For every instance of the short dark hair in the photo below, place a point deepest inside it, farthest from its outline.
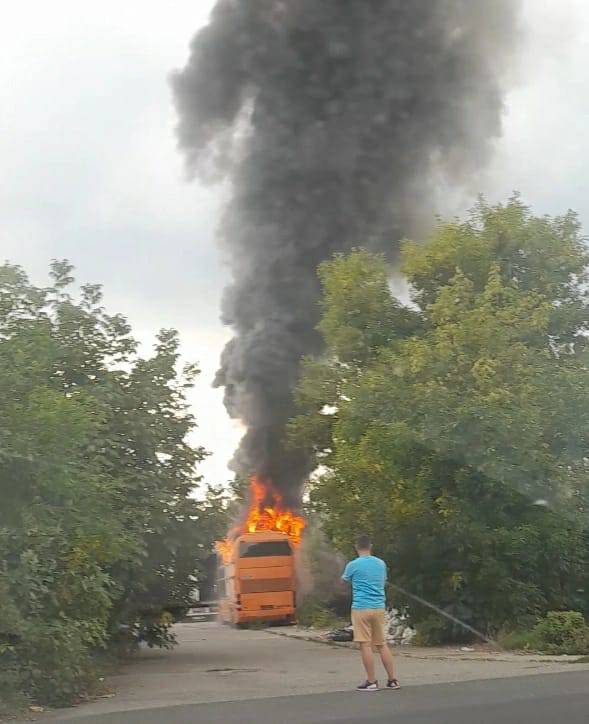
(363, 543)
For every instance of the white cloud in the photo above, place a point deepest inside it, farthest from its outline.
(544, 152)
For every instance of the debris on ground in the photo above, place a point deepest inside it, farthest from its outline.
(397, 630)
(340, 634)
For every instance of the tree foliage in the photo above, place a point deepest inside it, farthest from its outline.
(455, 427)
(100, 539)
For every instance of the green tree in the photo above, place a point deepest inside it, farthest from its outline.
(455, 428)
(98, 527)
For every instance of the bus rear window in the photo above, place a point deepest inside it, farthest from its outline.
(266, 548)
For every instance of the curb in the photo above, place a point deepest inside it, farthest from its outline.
(433, 657)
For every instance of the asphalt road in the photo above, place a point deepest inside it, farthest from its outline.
(217, 664)
(539, 699)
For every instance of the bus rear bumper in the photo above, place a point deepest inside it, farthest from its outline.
(274, 614)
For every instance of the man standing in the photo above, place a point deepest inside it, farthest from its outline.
(368, 575)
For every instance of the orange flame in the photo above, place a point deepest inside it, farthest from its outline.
(266, 512)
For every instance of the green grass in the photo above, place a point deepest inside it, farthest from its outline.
(315, 614)
(559, 632)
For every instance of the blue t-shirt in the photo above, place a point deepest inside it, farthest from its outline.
(368, 575)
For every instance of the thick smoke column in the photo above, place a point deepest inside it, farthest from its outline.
(335, 120)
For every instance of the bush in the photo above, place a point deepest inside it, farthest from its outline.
(315, 614)
(11, 697)
(438, 631)
(56, 664)
(100, 535)
(432, 631)
(559, 632)
(563, 632)
(519, 641)
(435, 630)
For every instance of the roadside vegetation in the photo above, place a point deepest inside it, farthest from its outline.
(101, 542)
(315, 613)
(559, 632)
(454, 424)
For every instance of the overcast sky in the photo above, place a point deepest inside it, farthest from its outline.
(90, 171)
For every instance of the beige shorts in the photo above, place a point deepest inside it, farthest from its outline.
(369, 626)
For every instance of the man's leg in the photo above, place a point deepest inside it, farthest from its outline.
(368, 661)
(387, 660)
(363, 636)
(380, 642)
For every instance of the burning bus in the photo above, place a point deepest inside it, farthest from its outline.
(256, 578)
(256, 582)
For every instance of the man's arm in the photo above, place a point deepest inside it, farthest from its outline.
(347, 574)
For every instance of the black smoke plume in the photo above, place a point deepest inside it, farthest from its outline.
(335, 121)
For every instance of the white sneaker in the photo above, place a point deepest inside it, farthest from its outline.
(368, 686)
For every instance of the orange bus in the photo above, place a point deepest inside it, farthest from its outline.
(257, 581)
